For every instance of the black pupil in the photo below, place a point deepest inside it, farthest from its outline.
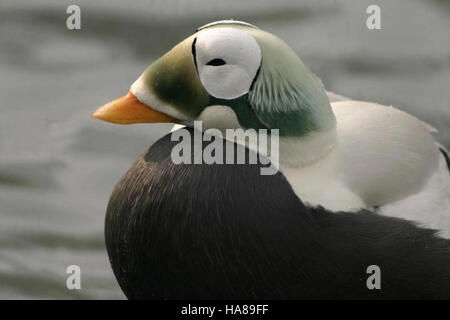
(216, 62)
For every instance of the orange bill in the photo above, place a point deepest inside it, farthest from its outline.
(128, 109)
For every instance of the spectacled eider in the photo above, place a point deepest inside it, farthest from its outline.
(310, 231)
(349, 155)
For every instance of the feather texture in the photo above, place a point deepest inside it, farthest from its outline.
(226, 232)
(383, 158)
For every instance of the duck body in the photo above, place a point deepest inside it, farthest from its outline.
(226, 232)
(347, 155)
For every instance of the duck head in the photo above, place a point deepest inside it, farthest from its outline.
(228, 74)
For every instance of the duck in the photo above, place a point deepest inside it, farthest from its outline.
(345, 156)
(220, 231)
(343, 161)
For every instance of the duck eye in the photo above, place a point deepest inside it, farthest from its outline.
(216, 62)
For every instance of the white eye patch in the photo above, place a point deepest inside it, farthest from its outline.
(227, 61)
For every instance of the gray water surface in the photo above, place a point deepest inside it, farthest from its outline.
(58, 167)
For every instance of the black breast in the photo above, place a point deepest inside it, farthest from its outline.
(227, 232)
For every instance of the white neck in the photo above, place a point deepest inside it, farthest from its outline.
(304, 151)
(294, 151)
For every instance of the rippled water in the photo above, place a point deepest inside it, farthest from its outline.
(58, 167)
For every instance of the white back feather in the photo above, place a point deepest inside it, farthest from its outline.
(386, 154)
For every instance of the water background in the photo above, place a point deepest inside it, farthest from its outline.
(58, 167)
